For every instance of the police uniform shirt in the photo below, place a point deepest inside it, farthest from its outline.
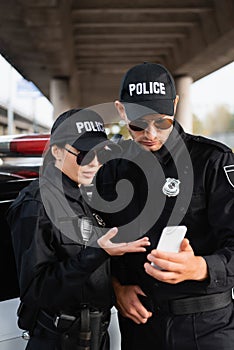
(55, 271)
(198, 195)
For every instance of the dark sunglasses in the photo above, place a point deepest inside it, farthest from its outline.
(86, 157)
(141, 124)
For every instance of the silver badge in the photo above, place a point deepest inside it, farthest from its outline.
(99, 220)
(229, 171)
(171, 187)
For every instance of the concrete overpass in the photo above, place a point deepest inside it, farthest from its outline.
(22, 122)
(76, 51)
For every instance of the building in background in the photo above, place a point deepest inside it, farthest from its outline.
(23, 108)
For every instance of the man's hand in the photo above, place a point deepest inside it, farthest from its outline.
(121, 248)
(129, 304)
(177, 267)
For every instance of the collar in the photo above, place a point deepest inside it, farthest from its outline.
(62, 182)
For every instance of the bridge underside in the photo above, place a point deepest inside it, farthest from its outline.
(88, 45)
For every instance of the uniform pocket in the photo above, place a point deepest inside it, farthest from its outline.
(69, 231)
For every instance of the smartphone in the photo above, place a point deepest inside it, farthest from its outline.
(171, 239)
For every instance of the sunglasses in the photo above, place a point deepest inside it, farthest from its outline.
(141, 124)
(86, 157)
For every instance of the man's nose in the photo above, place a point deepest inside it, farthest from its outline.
(151, 131)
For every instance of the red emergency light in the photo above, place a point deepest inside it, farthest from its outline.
(30, 144)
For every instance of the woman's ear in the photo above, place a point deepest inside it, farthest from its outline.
(57, 152)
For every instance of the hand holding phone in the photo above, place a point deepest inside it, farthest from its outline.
(171, 239)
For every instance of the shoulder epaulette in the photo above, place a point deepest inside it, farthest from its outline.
(31, 192)
(221, 146)
(33, 189)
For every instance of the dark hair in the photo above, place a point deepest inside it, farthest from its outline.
(48, 157)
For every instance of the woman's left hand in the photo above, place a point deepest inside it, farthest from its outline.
(121, 248)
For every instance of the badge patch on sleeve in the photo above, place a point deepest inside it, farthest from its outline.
(229, 171)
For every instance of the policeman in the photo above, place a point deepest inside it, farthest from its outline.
(177, 179)
(61, 253)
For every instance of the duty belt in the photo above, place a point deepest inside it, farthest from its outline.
(195, 304)
(60, 323)
(54, 324)
(83, 332)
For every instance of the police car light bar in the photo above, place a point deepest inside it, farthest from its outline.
(25, 145)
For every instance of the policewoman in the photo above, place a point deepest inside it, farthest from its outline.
(62, 252)
(178, 179)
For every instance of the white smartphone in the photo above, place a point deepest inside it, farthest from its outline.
(171, 239)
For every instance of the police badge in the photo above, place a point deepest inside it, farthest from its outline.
(171, 187)
(99, 220)
(229, 171)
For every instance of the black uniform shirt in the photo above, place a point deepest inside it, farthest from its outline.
(201, 171)
(55, 271)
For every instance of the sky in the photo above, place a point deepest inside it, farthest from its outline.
(214, 89)
(208, 92)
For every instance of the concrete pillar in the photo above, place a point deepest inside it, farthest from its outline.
(184, 111)
(74, 85)
(60, 95)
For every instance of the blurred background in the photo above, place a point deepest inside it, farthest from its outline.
(58, 54)
(212, 105)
